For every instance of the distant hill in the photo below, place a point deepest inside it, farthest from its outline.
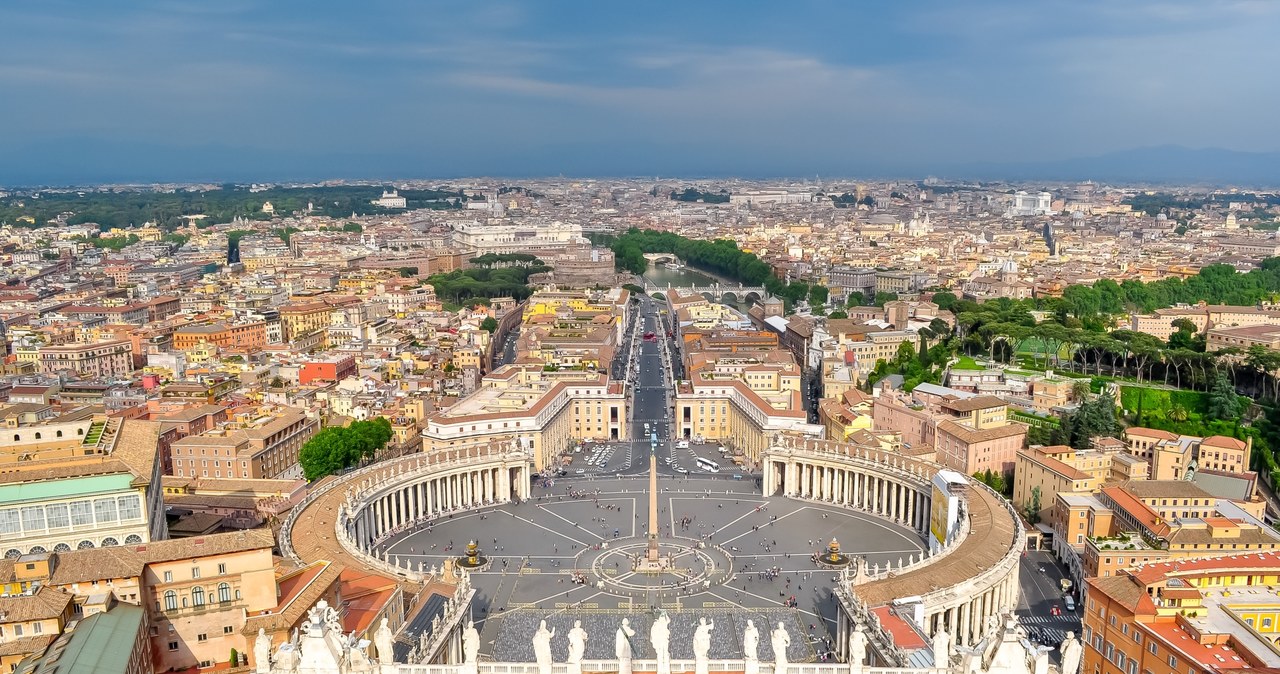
(1161, 164)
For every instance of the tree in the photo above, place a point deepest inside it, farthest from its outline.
(489, 324)
(1080, 390)
(336, 448)
(818, 295)
(1176, 413)
(277, 382)
(1032, 509)
(856, 299)
(945, 300)
(408, 272)
(838, 315)
(1223, 402)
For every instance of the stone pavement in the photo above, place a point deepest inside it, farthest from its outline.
(544, 545)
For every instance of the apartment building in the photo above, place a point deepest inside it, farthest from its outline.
(1203, 615)
(264, 446)
(97, 360)
(968, 433)
(546, 411)
(197, 592)
(250, 336)
(1173, 457)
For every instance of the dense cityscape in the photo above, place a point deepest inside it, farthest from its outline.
(639, 338)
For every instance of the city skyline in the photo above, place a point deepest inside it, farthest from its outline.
(250, 91)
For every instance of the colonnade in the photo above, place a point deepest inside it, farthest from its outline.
(884, 494)
(900, 490)
(414, 498)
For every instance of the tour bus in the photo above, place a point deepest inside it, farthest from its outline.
(708, 465)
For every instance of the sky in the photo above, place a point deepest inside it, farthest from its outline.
(241, 89)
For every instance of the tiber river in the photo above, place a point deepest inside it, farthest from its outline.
(661, 276)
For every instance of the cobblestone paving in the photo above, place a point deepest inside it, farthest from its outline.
(542, 544)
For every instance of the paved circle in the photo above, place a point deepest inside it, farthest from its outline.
(552, 554)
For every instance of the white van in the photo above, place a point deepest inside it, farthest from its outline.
(1070, 603)
(682, 444)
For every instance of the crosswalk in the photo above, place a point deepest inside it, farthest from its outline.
(1049, 630)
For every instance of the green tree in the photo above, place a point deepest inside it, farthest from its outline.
(408, 272)
(856, 299)
(838, 315)
(1176, 413)
(945, 300)
(489, 324)
(1223, 402)
(1032, 509)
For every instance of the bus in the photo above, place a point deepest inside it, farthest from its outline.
(708, 465)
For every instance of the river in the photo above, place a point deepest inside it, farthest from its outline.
(661, 276)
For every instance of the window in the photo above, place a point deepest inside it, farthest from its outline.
(222, 568)
(173, 646)
(9, 523)
(104, 510)
(227, 629)
(170, 600)
(17, 630)
(1266, 622)
(57, 515)
(81, 514)
(1173, 662)
(202, 637)
(197, 596)
(38, 627)
(224, 593)
(195, 572)
(168, 576)
(130, 507)
(33, 518)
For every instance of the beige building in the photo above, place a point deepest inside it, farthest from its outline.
(111, 497)
(1171, 456)
(197, 592)
(265, 447)
(104, 359)
(546, 411)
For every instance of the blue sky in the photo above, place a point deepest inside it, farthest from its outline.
(237, 88)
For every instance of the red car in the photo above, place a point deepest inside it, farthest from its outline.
(649, 337)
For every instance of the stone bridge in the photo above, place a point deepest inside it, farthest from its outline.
(659, 258)
(715, 293)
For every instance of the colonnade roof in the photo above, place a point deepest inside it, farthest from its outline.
(992, 535)
(312, 534)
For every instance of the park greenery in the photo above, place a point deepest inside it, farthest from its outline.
(479, 284)
(721, 257)
(695, 195)
(124, 208)
(337, 448)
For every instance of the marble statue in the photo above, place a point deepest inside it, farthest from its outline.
(750, 642)
(857, 649)
(622, 646)
(660, 637)
(382, 640)
(780, 640)
(262, 653)
(701, 645)
(941, 649)
(577, 647)
(542, 647)
(1071, 651)
(470, 647)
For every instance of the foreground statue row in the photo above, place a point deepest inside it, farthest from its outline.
(320, 647)
(660, 639)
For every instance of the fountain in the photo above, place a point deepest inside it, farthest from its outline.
(472, 559)
(832, 558)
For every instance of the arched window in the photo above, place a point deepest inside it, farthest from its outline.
(108, 542)
(79, 431)
(62, 547)
(16, 437)
(59, 433)
(37, 435)
(170, 600)
(1266, 622)
(197, 596)
(224, 593)
(13, 553)
(37, 550)
(132, 539)
(84, 545)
